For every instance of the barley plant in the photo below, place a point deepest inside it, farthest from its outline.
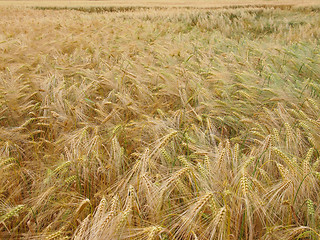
(160, 123)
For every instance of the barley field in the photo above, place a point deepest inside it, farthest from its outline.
(160, 122)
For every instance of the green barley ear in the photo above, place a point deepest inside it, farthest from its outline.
(310, 207)
(70, 180)
(13, 212)
(184, 161)
(203, 171)
(310, 212)
(166, 155)
(61, 167)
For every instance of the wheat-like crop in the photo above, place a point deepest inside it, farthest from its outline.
(180, 121)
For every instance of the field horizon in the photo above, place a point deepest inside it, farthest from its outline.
(157, 3)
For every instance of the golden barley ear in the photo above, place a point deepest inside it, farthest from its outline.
(83, 231)
(306, 168)
(289, 162)
(104, 224)
(244, 183)
(153, 231)
(82, 206)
